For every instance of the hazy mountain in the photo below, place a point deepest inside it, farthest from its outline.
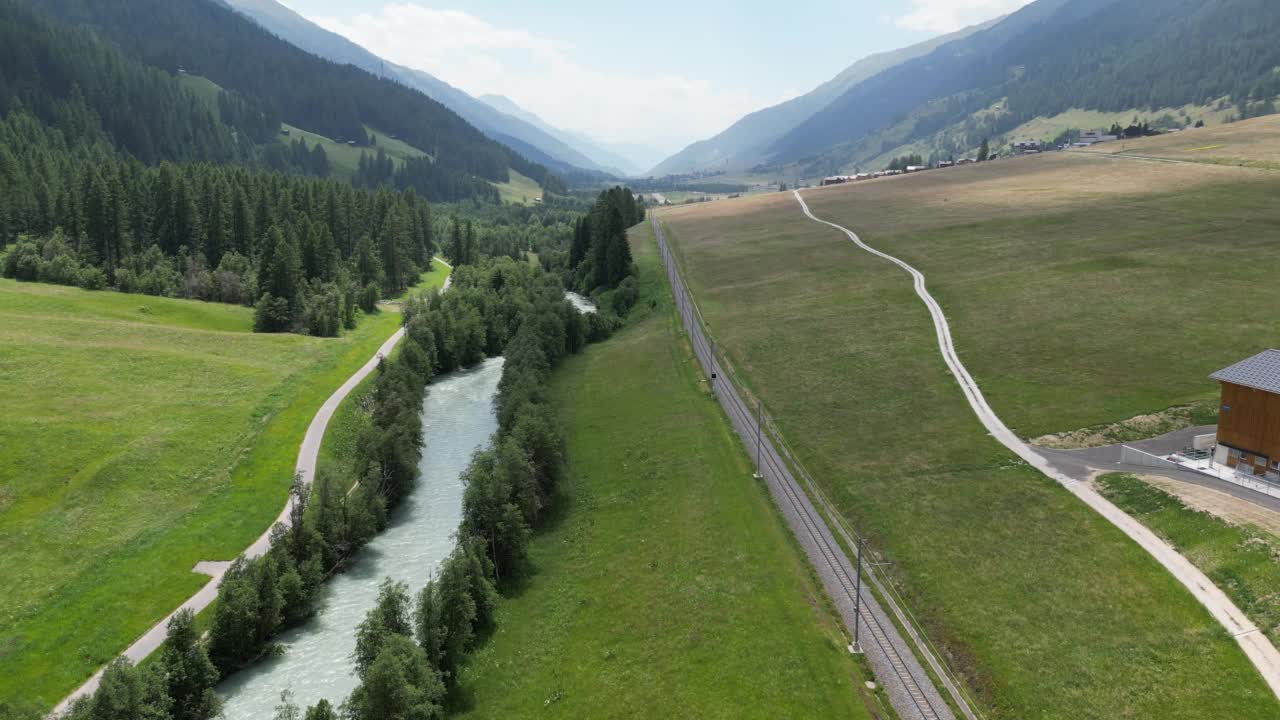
(581, 142)
(747, 141)
(1050, 57)
(522, 136)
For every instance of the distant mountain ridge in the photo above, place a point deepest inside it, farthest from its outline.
(945, 97)
(747, 142)
(1050, 57)
(522, 136)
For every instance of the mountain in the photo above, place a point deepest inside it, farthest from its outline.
(1050, 57)
(581, 142)
(746, 142)
(527, 138)
(341, 102)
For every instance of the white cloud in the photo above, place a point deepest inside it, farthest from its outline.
(943, 16)
(543, 76)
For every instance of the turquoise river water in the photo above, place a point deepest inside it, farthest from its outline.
(458, 419)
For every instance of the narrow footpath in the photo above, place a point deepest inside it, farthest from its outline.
(308, 455)
(1255, 644)
(910, 690)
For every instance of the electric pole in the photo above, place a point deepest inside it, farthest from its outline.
(759, 424)
(857, 602)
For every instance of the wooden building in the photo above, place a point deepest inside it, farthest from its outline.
(1249, 416)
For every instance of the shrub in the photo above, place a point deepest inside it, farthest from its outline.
(91, 278)
(271, 315)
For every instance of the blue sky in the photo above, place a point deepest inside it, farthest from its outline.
(661, 73)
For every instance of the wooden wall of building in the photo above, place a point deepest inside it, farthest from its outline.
(1252, 423)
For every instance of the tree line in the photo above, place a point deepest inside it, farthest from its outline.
(408, 649)
(306, 251)
(599, 254)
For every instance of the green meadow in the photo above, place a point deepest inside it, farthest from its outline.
(1043, 608)
(667, 585)
(154, 433)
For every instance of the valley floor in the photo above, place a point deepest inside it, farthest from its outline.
(1046, 270)
(669, 585)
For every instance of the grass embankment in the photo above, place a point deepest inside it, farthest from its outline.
(153, 433)
(668, 585)
(1243, 561)
(1044, 608)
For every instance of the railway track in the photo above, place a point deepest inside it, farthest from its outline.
(910, 689)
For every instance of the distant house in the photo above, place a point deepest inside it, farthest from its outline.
(966, 161)
(284, 131)
(1094, 137)
(946, 164)
(1249, 416)
(352, 143)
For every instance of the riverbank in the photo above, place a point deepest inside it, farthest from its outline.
(316, 662)
(666, 584)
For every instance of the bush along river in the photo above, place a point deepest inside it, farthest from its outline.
(458, 419)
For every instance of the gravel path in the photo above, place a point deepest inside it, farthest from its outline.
(908, 686)
(1254, 643)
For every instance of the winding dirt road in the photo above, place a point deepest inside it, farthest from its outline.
(305, 467)
(1255, 644)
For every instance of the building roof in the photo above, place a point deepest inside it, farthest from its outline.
(1261, 372)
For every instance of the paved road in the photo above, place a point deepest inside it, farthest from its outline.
(1254, 643)
(308, 455)
(1085, 463)
(910, 691)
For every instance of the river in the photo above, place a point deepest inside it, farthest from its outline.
(458, 419)
(584, 305)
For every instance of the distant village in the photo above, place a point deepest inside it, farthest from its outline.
(1072, 139)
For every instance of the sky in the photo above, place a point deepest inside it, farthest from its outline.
(661, 73)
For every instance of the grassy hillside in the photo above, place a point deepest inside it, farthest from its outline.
(344, 159)
(669, 585)
(154, 433)
(1084, 291)
(519, 190)
(1251, 143)
(1044, 609)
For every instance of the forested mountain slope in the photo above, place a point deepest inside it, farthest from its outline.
(1054, 55)
(745, 142)
(89, 90)
(525, 137)
(338, 101)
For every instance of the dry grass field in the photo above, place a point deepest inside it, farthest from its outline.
(1248, 143)
(1081, 291)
